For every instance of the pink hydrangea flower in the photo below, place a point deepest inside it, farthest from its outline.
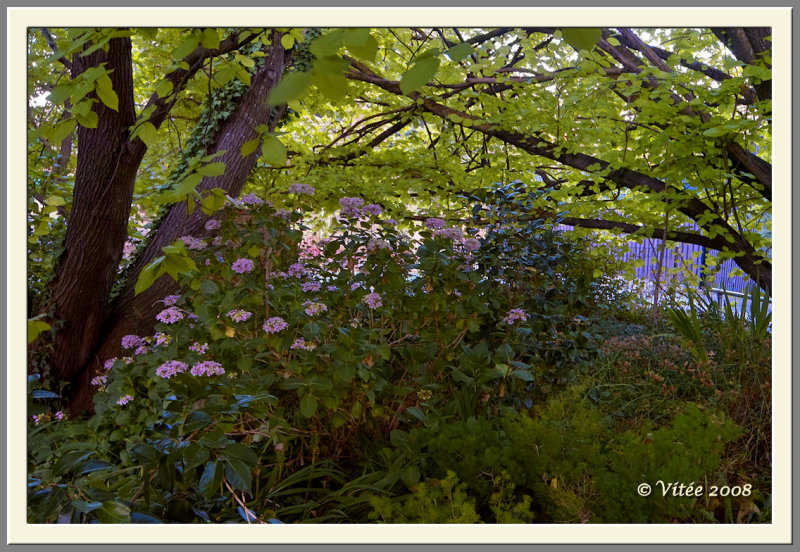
(372, 300)
(59, 416)
(239, 315)
(299, 188)
(212, 224)
(471, 244)
(251, 199)
(99, 381)
(193, 243)
(109, 364)
(313, 309)
(199, 348)
(242, 266)
(162, 338)
(310, 286)
(122, 401)
(372, 209)
(207, 368)
(301, 343)
(434, 223)
(452, 233)
(515, 315)
(171, 368)
(140, 350)
(351, 206)
(275, 324)
(170, 315)
(170, 300)
(297, 269)
(131, 341)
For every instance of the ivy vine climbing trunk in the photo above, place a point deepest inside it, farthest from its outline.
(135, 314)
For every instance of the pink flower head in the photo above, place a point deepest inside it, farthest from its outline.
(193, 243)
(239, 315)
(310, 286)
(241, 266)
(207, 368)
(351, 206)
(162, 338)
(299, 188)
(434, 223)
(140, 350)
(59, 416)
(212, 224)
(122, 401)
(300, 343)
(170, 315)
(471, 244)
(313, 309)
(297, 269)
(372, 209)
(99, 381)
(109, 364)
(170, 300)
(251, 199)
(171, 368)
(275, 324)
(199, 348)
(515, 315)
(372, 300)
(452, 233)
(131, 341)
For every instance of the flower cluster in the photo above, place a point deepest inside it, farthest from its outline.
(374, 244)
(99, 381)
(313, 309)
(162, 338)
(171, 368)
(451, 233)
(193, 243)
(251, 199)
(310, 286)
(207, 368)
(58, 416)
(170, 300)
(282, 213)
(514, 315)
(300, 188)
(109, 364)
(199, 348)
(434, 223)
(351, 206)
(372, 300)
(372, 209)
(131, 341)
(170, 315)
(212, 224)
(274, 325)
(140, 350)
(241, 266)
(122, 401)
(239, 315)
(471, 244)
(297, 269)
(301, 343)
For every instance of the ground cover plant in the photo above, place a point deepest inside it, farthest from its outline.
(404, 334)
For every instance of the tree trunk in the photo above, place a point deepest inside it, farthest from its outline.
(131, 314)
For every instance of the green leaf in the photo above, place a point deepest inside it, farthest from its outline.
(212, 169)
(210, 480)
(61, 93)
(417, 413)
(410, 476)
(332, 85)
(194, 455)
(113, 512)
(69, 460)
(187, 47)
(35, 328)
(460, 51)
(250, 146)
(164, 88)
(147, 133)
(105, 91)
(210, 39)
(63, 129)
(240, 452)
(244, 60)
(715, 132)
(197, 419)
(148, 275)
(287, 41)
(85, 507)
(94, 465)
(308, 406)
(582, 38)
(273, 151)
(292, 87)
(238, 475)
(523, 375)
(423, 69)
(88, 121)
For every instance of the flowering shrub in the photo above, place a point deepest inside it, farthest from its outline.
(279, 362)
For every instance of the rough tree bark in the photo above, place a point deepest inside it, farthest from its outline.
(132, 314)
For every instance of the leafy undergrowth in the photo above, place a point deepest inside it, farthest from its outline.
(376, 376)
